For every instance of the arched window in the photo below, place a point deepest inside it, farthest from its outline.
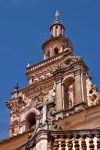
(56, 50)
(30, 120)
(69, 92)
(56, 27)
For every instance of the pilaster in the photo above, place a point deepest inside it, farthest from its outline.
(80, 86)
(42, 141)
(59, 97)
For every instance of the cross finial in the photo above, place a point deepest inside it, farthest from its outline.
(16, 86)
(57, 14)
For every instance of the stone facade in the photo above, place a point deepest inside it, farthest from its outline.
(60, 105)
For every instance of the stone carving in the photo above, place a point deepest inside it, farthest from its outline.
(14, 118)
(47, 72)
(72, 59)
(13, 105)
(50, 96)
(93, 95)
(51, 113)
(71, 95)
(42, 77)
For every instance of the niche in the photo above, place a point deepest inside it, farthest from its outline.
(69, 92)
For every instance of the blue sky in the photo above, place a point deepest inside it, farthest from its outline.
(24, 26)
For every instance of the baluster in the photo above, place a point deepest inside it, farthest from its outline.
(91, 143)
(66, 143)
(56, 144)
(98, 141)
(76, 142)
(62, 143)
(83, 143)
(70, 144)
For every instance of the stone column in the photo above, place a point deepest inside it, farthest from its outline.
(54, 31)
(44, 113)
(80, 86)
(59, 98)
(63, 97)
(83, 82)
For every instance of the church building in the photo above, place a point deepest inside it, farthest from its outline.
(59, 109)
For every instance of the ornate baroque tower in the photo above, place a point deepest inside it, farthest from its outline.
(59, 91)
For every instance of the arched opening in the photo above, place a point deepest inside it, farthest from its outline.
(69, 92)
(56, 27)
(30, 120)
(56, 50)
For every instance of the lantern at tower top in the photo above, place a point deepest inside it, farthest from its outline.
(57, 28)
(57, 42)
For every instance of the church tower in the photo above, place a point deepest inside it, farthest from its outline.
(59, 97)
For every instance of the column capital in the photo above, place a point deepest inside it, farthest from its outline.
(78, 71)
(58, 76)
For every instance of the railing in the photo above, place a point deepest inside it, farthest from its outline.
(75, 140)
(68, 140)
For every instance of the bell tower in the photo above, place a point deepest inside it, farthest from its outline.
(57, 86)
(57, 42)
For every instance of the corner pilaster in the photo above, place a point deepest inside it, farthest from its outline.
(80, 86)
(42, 141)
(59, 97)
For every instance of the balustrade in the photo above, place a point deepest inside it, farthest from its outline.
(77, 141)
(69, 140)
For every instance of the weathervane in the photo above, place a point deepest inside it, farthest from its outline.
(57, 14)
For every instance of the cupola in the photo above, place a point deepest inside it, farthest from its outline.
(57, 28)
(57, 42)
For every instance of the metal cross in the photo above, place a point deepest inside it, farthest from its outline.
(57, 14)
